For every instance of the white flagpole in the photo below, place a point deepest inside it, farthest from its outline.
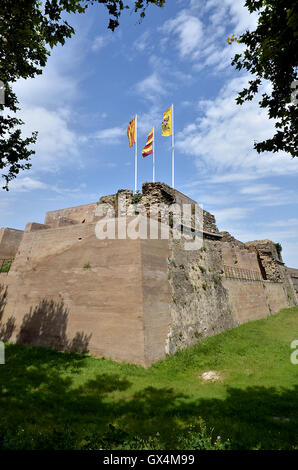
(136, 156)
(153, 155)
(173, 149)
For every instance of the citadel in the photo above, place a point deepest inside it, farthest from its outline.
(68, 285)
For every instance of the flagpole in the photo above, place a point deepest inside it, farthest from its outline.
(173, 149)
(136, 156)
(153, 155)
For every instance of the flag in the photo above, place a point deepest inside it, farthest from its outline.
(166, 126)
(131, 132)
(148, 149)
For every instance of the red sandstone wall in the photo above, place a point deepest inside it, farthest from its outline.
(82, 213)
(118, 304)
(156, 297)
(10, 240)
(239, 257)
(114, 296)
(252, 300)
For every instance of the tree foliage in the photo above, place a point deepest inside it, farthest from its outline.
(272, 54)
(28, 31)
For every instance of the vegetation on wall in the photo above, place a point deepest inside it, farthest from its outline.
(137, 197)
(278, 248)
(5, 267)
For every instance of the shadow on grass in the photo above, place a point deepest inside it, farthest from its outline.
(39, 394)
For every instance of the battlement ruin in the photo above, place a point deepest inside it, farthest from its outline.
(133, 299)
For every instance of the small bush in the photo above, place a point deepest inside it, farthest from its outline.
(6, 267)
(278, 248)
(216, 279)
(136, 198)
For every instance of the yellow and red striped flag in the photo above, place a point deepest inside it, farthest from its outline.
(132, 131)
(148, 149)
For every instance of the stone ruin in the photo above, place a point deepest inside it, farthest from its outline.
(134, 299)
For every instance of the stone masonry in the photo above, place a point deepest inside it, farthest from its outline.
(134, 299)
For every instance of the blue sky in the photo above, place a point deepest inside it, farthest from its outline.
(94, 85)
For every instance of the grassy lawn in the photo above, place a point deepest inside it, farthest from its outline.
(58, 400)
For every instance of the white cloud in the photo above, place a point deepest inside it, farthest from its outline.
(222, 139)
(99, 43)
(57, 144)
(149, 119)
(255, 195)
(277, 198)
(161, 81)
(200, 32)
(236, 12)
(285, 223)
(211, 198)
(5, 209)
(103, 40)
(26, 184)
(151, 87)
(143, 42)
(61, 79)
(50, 89)
(49, 105)
(112, 135)
(258, 189)
(290, 253)
(232, 177)
(230, 213)
(189, 30)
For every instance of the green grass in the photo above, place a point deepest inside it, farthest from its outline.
(60, 400)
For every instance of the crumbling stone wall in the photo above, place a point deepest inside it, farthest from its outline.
(269, 257)
(153, 195)
(273, 266)
(209, 223)
(200, 304)
(161, 193)
(119, 202)
(293, 273)
(228, 238)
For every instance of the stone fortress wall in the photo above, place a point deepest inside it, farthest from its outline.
(134, 300)
(294, 276)
(10, 240)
